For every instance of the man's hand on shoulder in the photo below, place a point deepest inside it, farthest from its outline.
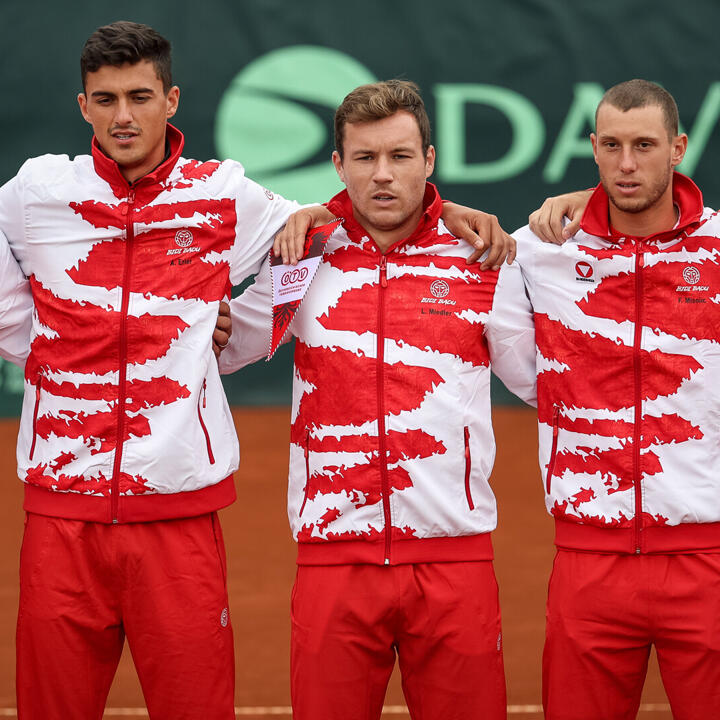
(547, 221)
(482, 231)
(223, 329)
(290, 240)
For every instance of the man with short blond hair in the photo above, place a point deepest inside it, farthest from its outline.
(627, 319)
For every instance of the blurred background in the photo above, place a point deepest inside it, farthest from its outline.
(510, 85)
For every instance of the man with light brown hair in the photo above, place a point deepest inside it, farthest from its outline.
(391, 439)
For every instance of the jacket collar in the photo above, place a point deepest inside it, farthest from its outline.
(341, 207)
(686, 196)
(109, 170)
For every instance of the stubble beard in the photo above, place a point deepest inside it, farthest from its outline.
(632, 205)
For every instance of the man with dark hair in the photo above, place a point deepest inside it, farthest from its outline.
(627, 319)
(127, 445)
(391, 438)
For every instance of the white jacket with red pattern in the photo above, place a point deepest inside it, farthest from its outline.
(124, 416)
(391, 439)
(628, 336)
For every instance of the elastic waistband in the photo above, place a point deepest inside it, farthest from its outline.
(131, 508)
(669, 539)
(402, 552)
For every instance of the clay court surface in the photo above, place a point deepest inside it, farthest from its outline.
(261, 556)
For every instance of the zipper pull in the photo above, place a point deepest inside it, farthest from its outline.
(556, 414)
(307, 445)
(131, 197)
(640, 254)
(204, 391)
(383, 271)
(467, 443)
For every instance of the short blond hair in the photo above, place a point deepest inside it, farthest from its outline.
(639, 93)
(378, 101)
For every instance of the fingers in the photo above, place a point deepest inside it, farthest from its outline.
(223, 329)
(571, 228)
(290, 239)
(546, 222)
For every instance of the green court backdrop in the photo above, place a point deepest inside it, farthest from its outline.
(511, 87)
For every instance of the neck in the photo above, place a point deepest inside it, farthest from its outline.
(386, 238)
(659, 217)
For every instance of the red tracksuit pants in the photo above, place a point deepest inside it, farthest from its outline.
(605, 611)
(85, 586)
(442, 620)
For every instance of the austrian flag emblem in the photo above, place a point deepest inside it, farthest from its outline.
(584, 271)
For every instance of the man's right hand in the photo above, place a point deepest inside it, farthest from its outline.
(547, 222)
(290, 240)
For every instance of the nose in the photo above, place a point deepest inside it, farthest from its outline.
(627, 161)
(383, 171)
(123, 113)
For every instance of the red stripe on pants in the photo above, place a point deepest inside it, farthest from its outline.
(84, 586)
(441, 619)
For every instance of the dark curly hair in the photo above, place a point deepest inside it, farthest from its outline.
(127, 42)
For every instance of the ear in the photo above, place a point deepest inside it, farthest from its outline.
(337, 162)
(679, 146)
(173, 98)
(82, 102)
(429, 161)
(593, 140)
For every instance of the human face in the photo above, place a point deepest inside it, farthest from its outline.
(384, 169)
(635, 156)
(128, 111)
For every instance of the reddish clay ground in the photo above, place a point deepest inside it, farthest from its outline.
(261, 557)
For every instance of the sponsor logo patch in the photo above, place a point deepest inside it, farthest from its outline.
(691, 275)
(440, 289)
(584, 271)
(183, 238)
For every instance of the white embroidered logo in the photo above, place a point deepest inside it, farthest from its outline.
(440, 289)
(224, 616)
(183, 238)
(691, 275)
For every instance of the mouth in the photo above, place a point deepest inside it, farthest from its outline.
(383, 197)
(123, 136)
(627, 187)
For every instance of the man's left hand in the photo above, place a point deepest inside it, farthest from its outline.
(482, 231)
(223, 329)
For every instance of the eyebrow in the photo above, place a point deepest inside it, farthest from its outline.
(134, 91)
(641, 138)
(400, 148)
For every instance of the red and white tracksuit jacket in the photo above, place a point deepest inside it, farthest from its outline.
(124, 416)
(628, 341)
(391, 439)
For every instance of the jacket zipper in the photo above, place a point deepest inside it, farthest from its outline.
(637, 428)
(211, 457)
(468, 465)
(307, 472)
(382, 443)
(553, 450)
(35, 415)
(122, 374)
